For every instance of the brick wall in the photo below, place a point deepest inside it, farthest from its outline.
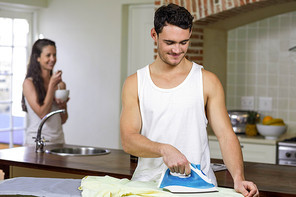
(204, 8)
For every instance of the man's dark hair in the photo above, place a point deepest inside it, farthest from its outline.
(174, 15)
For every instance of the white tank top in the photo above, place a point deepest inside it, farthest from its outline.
(52, 129)
(174, 116)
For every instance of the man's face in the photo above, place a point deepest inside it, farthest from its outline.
(172, 44)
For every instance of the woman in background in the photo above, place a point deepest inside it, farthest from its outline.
(39, 89)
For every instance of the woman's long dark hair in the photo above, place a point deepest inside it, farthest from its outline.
(34, 71)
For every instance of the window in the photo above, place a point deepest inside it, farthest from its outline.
(15, 36)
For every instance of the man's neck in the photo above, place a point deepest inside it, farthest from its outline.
(160, 67)
(169, 76)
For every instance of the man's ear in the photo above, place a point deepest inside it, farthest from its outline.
(153, 34)
(190, 33)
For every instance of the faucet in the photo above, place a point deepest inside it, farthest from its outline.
(40, 142)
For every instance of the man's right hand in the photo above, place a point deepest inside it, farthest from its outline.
(175, 160)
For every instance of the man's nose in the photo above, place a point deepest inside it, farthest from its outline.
(176, 48)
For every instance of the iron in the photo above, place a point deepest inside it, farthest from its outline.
(195, 182)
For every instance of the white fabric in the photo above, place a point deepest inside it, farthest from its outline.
(52, 129)
(174, 116)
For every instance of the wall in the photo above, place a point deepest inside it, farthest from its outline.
(259, 65)
(88, 38)
(25, 3)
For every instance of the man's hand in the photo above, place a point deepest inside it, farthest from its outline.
(246, 188)
(175, 160)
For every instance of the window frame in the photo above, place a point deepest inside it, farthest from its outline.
(30, 16)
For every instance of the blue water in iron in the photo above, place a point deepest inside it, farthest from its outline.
(194, 181)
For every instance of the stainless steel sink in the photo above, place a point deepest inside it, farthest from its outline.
(78, 151)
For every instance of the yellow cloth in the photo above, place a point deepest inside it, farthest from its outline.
(106, 186)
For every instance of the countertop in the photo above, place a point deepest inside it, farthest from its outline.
(271, 179)
(258, 139)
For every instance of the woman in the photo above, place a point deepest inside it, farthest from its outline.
(39, 89)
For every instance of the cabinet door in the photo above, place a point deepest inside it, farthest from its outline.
(215, 151)
(260, 153)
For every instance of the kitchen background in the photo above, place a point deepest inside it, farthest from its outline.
(92, 42)
(260, 65)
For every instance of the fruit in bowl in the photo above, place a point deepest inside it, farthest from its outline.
(271, 128)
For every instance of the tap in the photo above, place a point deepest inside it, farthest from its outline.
(40, 142)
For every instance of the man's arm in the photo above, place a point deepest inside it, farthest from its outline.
(136, 144)
(229, 144)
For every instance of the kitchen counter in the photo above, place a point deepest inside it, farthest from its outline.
(258, 139)
(271, 179)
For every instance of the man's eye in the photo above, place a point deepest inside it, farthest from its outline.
(184, 43)
(169, 43)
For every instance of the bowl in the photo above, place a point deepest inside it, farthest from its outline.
(62, 94)
(271, 131)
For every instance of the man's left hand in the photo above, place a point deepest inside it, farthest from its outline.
(246, 188)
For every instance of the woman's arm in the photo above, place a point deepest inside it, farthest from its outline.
(63, 104)
(32, 98)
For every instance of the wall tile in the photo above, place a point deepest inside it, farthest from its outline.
(259, 58)
(257, 53)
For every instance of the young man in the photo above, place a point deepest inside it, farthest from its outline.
(166, 107)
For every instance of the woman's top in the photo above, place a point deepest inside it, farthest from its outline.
(52, 129)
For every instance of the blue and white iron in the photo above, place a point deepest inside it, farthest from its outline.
(196, 182)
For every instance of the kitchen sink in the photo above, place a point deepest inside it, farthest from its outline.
(78, 151)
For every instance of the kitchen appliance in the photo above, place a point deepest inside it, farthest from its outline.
(197, 181)
(239, 120)
(286, 152)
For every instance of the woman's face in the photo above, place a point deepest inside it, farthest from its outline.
(47, 57)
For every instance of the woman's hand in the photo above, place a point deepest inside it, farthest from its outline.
(55, 79)
(62, 104)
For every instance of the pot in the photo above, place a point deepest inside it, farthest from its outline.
(239, 120)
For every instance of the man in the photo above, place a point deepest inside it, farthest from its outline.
(166, 107)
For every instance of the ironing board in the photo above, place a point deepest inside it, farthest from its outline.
(58, 187)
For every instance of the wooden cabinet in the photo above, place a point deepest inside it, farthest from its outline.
(252, 151)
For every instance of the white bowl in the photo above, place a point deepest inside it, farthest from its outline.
(271, 131)
(62, 94)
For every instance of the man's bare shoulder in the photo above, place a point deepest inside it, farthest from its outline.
(130, 86)
(131, 80)
(209, 77)
(211, 84)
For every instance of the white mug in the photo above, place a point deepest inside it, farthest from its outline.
(62, 94)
